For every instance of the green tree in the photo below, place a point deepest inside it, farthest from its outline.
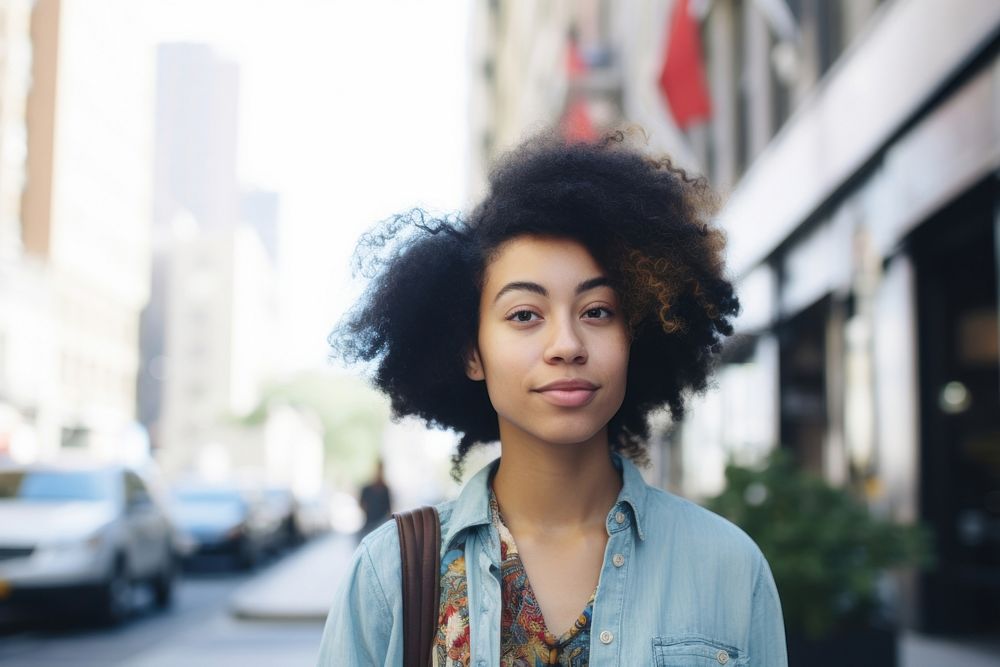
(352, 414)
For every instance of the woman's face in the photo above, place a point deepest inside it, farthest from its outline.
(553, 346)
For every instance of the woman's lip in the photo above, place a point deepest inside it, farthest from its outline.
(568, 385)
(569, 398)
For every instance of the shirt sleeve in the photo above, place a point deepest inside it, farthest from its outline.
(359, 627)
(767, 628)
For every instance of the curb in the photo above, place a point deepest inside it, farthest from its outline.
(299, 589)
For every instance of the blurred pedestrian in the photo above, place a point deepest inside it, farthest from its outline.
(586, 291)
(376, 501)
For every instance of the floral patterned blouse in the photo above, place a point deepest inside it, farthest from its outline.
(524, 639)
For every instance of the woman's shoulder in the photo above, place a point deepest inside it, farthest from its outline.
(682, 521)
(381, 548)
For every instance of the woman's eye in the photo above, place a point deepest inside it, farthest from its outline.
(522, 316)
(598, 313)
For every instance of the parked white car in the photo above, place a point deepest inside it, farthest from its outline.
(77, 539)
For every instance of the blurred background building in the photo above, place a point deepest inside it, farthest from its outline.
(138, 273)
(27, 369)
(857, 144)
(82, 245)
(209, 335)
(194, 185)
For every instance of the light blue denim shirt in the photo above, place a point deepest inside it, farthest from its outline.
(679, 586)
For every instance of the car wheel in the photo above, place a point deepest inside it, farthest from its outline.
(163, 583)
(115, 602)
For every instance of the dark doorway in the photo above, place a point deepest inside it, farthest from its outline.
(955, 255)
(803, 380)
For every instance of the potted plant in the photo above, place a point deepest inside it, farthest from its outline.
(829, 554)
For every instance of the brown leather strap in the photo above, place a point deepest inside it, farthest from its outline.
(420, 554)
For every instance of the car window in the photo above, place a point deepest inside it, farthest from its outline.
(208, 506)
(56, 485)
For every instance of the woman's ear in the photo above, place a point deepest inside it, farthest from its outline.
(474, 365)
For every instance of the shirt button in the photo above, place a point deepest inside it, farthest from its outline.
(620, 517)
(722, 657)
(607, 637)
(618, 560)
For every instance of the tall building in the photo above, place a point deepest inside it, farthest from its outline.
(858, 145)
(86, 210)
(219, 341)
(194, 179)
(519, 75)
(27, 353)
(197, 131)
(15, 80)
(207, 333)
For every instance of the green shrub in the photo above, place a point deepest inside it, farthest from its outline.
(826, 549)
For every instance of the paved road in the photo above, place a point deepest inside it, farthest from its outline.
(198, 630)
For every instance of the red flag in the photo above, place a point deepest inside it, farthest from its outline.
(682, 78)
(576, 124)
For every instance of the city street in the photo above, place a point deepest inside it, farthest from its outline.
(256, 259)
(278, 623)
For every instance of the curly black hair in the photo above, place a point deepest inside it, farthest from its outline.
(645, 221)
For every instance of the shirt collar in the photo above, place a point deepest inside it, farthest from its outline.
(472, 508)
(634, 491)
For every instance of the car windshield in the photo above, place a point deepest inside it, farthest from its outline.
(56, 485)
(207, 506)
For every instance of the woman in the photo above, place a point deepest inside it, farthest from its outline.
(584, 292)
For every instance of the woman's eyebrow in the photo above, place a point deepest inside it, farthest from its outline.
(599, 281)
(521, 285)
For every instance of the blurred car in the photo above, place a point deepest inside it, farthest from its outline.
(221, 520)
(78, 538)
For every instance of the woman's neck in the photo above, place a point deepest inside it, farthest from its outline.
(546, 487)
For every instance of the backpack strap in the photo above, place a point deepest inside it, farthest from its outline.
(420, 555)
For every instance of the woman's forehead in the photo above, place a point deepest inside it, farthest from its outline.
(541, 259)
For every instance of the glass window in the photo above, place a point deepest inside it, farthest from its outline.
(56, 485)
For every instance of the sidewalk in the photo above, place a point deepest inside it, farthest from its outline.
(921, 651)
(301, 587)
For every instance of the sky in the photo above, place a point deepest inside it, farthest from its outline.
(351, 111)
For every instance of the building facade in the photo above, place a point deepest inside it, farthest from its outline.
(85, 215)
(27, 353)
(194, 179)
(862, 229)
(219, 342)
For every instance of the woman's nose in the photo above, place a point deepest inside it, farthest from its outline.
(565, 344)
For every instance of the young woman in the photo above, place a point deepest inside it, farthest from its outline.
(584, 292)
